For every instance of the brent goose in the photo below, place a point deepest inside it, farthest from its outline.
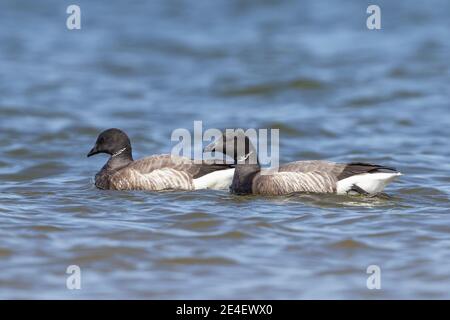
(300, 176)
(158, 172)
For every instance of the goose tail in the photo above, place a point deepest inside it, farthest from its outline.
(365, 177)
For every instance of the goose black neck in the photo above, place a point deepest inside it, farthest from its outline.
(120, 159)
(245, 171)
(243, 178)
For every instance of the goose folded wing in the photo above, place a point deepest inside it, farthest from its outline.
(148, 164)
(355, 168)
(183, 164)
(327, 167)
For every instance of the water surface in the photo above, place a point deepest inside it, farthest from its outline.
(336, 90)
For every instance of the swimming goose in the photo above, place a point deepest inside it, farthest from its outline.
(300, 176)
(158, 172)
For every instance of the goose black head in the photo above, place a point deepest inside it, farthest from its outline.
(235, 144)
(114, 142)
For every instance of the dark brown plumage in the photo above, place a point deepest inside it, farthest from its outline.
(299, 176)
(158, 172)
(355, 168)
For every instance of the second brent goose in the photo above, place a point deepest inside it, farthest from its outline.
(300, 176)
(154, 173)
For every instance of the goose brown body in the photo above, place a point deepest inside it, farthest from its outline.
(314, 176)
(153, 173)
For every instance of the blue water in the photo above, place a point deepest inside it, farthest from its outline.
(336, 91)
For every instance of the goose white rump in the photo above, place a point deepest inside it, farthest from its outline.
(372, 183)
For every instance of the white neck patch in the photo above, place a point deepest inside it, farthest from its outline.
(243, 158)
(118, 152)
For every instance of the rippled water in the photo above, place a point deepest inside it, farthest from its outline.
(335, 89)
